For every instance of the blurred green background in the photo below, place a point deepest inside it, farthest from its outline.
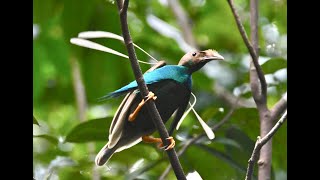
(65, 144)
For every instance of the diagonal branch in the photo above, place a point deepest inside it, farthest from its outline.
(260, 143)
(279, 107)
(182, 19)
(260, 97)
(229, 98)
(196, 138)
(152, 110)
(259, 91)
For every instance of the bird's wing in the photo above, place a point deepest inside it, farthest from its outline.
(119, 119)
(179, 114)
(177, 73)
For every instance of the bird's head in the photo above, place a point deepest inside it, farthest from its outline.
(197, 59)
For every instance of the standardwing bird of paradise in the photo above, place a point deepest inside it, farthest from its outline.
(170, 88)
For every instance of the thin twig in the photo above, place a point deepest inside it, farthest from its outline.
(196, 138)
(259, 144)
(258, 95)
(266, 123)
(229, 98)
(279, 107)
(262, 97)
(266, 120)
(183, 21)
(152, 110)
(81, 101)
(79, 89)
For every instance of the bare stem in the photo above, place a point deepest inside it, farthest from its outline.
(259, 144)
(183, 21)
(152, 110)
(279, 107)
(80, 95)
(259, 98)
(227, 96)
(79, 89)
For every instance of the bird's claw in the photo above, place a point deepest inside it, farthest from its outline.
(135, 113)
(170, 146)
(151, 95)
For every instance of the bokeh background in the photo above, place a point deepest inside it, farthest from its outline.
(68, 137)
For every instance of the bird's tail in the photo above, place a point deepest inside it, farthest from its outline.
(104, 155)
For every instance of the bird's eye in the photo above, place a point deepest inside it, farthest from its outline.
(194, 54)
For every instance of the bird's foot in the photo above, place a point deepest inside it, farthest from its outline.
(170, 146)
(149, 139)
(135, 113)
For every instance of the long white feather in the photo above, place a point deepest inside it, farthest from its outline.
(102, 34)
(99, 34)
(204, 125)
(96, 46)
(187, 112)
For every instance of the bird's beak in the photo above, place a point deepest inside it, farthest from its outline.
(217, 56)
(212, 55)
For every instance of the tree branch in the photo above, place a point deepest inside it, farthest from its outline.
(229, 98)
(81, 101)
(196, 138)
(152, 110)
(265, 122)
(79, 89)
(260, 143)
(256, 75)
(259, 98)
(182, 19)
(279, 108)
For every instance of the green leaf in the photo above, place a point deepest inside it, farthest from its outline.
(243, 117)
(273, 64)
(240, 137)
(40, 70)
(51, 139)
(243, 154)
(91, 130)
(227, 141)
(224, 157)
(35, 121)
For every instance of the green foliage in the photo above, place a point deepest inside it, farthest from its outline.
(61, 143)
(35, 121)
(49, 138)
(224, 157)
(91, 130)
(274, 64)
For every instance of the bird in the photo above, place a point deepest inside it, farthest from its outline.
(170, 89)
